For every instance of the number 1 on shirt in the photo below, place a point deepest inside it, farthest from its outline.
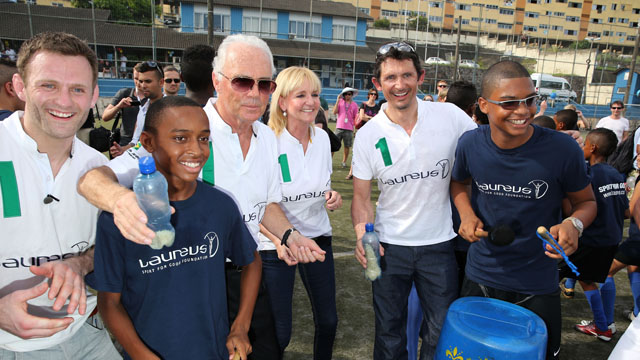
(284, 168)
(384, 151)
(9, 188)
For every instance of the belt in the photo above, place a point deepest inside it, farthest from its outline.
(231, 266)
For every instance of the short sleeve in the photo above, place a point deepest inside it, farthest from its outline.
(274, 194)
(125, 166)
(121, 94)
(575, 176)
(360, 161)
(109, 258)
(460, 165)
(240, 244)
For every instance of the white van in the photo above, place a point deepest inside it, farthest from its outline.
(546, 84)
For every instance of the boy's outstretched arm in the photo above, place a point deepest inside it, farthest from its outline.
(120, 325)
(584, 207)
(238, 340)
(469, 222)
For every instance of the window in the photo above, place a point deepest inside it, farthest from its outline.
(606, 33)
(448, 16)
(596, 21)
(573, 18)
(555, 85)
(611, 20)
(623, 21)
(490, 21)
(533, 15)
(631, 38)
(364, 10)
(476, 19)
(343, 32)
(532, 1)
(558, 13)
(543, 26)
(621, 34)
(464, 21)
(530, 28)
(492, 7)
(633, 24)
(435, 4)
(435, 18)
(251, 24)
(393, 1)
(505, 26)
(547, 13)
(506, 11)
(303, 30)
(636, 11)
(388, 13)
(556, 28)
(561, 1)
(576, 5)
(599, 8)
(463, 7)
(571, 32)
(614, 6)
(594, 34)
(221, 22)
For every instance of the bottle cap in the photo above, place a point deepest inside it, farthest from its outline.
(368, 227)
(147, 165)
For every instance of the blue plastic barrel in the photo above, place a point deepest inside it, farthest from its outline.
(485, 328)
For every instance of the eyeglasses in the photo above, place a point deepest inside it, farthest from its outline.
(399, 46)
(616, 108)
(244, 84)
(350, 94)
(153, 64)
(443, 86)
(374, 94)
(514, 104)
(169, 81)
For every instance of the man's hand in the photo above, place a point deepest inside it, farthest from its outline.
(15, 319)
(238, 342)
(334, 200)
(468, 227)
(131, 220)
(360, 255)
(305, 249)
(124, 103)
(115, 150)
(67, 282)
(566, 236)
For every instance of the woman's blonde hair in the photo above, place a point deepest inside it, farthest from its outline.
(570, 107)
(289, 80)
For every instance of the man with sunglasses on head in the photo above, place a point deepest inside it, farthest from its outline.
(171, 80)
(126, 102)
(519, 175)
(408, 147)
(244, 163)
(615, 122)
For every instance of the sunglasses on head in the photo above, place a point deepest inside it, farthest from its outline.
(399, 46)
(244, 84)
(616, 107)
(514, 104)
(154, 65)
(170, 80)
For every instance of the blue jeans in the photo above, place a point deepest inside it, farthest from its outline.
(433, 269)
(319, 281)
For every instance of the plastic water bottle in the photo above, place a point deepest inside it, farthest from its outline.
(371, 245)
(151, 191)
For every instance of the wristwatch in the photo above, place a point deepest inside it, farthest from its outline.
(576, 224)
(286, 235)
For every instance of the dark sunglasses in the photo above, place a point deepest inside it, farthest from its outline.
(443, 86)
(348, 93)
(617, 108)
(169, 81)
(153, 64)
(244, 84)
(514, 104)
(374, 94)
(400, 46)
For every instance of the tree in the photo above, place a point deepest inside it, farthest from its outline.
(382, 24)
(422, 23)
(138, 11)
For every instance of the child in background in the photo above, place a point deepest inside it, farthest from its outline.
(172, 303)
(599, 242)
(544, 121)
(518, 180)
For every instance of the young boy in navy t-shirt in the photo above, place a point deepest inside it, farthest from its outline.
(171, 303)
(599, 242)
(519, 173)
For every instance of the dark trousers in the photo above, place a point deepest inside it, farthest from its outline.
(319, 281)
(262, 333)
(546, 306)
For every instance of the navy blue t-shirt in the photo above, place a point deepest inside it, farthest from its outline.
(522, 188)
(611, 196)
(176, 297)
(5, 114)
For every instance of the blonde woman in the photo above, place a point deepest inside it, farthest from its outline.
(305, 164)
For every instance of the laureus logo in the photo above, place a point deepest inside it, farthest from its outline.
(540, 187)
(212, 237)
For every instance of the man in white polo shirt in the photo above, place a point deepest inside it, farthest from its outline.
(48, 229)
(243, 162)
(615, 122)
(409, 148)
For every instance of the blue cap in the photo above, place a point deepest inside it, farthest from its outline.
(368, 227)
(147, 165)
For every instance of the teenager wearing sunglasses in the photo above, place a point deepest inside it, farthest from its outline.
(407, 150)
(519, 175)
(615, 122)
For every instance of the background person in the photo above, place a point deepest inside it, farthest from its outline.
(615, 122)
(9, 100)
(126, 101)
(196, 70)
(347, 111)
(305, 168)
(171, 81)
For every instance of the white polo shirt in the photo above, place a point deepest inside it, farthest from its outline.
(618, 126)
(304, 177)
(413, 172)
(252, 181)
(33, 232)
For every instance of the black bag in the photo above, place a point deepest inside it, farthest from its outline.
(333, 139)
(101, 138)
(622, 158)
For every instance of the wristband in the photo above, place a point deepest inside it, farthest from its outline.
(286, 235)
